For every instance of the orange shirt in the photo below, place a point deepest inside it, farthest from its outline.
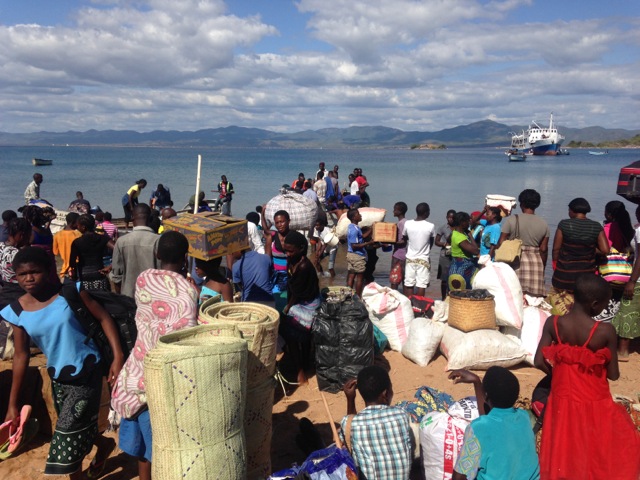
(62, 247)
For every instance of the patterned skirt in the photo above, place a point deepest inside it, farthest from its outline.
(461, 272)
(612, 308)
(77, 404)
(530, 271)
(627, 320)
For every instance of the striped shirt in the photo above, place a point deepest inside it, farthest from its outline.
(381, 442)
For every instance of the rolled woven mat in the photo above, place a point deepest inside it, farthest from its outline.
(196, 390)
(258, 325)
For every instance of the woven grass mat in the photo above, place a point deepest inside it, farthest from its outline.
(196, 390)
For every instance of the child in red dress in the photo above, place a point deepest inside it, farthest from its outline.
(585, 434)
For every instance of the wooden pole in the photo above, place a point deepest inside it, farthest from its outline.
(197, 199)
(336, 437)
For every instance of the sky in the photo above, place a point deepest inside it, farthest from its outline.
(289, 66)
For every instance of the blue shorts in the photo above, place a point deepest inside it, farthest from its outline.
(135, 436)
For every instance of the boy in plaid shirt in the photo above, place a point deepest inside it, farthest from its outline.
(379, 436)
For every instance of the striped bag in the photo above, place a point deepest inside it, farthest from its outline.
(617, 269)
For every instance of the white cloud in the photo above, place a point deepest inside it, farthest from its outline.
(161, 64)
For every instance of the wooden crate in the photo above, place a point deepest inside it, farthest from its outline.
(210, 235)
(385, 232)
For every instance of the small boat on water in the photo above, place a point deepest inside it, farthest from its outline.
(39, 162)
(515, 155)
(564, 151)
(594, 152)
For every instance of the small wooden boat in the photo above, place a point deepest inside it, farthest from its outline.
(592, 152)
(39, 162)
(515, 155)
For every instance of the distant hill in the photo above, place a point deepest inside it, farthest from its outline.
(485, 133)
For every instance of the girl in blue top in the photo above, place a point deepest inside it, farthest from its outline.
(44, 316)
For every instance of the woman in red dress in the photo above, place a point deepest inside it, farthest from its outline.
(585, 434)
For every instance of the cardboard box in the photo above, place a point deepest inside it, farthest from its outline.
(210, 235)
(384, 232)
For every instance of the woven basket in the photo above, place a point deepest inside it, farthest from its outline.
(469, 314)
(258, 325)
(196, 391)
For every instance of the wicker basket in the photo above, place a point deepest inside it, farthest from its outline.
(469, 314)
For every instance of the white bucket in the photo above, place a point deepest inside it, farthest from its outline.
(331, 240)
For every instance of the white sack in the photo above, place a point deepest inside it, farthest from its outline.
(503, 283)
(534, 319)
(441, 310)
(479, 349)
(423, 340)
(441, 438)
(390, 311)
(369, 215)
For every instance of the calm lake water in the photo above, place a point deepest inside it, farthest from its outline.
(454, 178)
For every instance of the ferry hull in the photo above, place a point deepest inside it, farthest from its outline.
(549, 149)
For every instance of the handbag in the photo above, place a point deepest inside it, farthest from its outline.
(617, 269)
(510, 250)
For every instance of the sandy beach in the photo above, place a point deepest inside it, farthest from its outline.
(303, 401)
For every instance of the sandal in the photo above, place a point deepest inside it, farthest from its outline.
(21, 437)
(623, 357)
(16, 440)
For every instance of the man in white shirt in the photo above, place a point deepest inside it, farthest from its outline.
(32, 191)
(419, 235)
(255, 236)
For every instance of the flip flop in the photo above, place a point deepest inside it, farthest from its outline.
(29, 430)
(5, 432)
(15, 440)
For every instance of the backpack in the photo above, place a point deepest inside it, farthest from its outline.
(121, 308)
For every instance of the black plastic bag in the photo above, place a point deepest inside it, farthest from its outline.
(344, 341)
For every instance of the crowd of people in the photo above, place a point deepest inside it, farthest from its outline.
(581, 345)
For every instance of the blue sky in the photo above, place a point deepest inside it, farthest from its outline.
(307, 64)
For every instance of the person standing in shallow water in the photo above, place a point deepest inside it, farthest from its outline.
(130, 200)
(225, 195)
(32, 191)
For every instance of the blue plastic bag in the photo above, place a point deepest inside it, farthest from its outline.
(331, 463)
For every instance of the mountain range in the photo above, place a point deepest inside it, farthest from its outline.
(486, 133)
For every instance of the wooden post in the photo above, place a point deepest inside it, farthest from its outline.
(197, 199)
(336, 437)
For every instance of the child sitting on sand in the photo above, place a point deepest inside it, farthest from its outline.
(378, 437)
(499, 444)
(585, 434)
(166, 302)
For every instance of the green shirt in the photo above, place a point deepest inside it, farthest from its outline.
(456, 239)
